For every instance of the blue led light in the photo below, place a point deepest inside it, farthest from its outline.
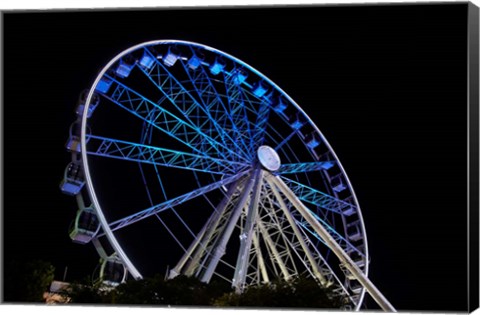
(124, 69)
(195, 62)
(146, 61)
(239, 76)
(171, 57)
(103, 85)
(259, 89)
(217, 66)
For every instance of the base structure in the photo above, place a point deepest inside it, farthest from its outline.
(334, 246)
(206, 251)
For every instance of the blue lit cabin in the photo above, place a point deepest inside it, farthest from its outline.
(147, 60)
(81, 104)
(73, 142)
(85, 226)
(73, 180)
(171, 57)
(348, 211)
(280, 106)
(103, 85)
(259, 89)
(113, 272)
(326, 165)
(295, 122)
(196, 60)
(124, 68)
(313, 141)
(338, 184)
(217, 66)
(239, 76)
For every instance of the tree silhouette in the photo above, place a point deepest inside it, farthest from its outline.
(190, 291)
(27, 281)
(296, 293)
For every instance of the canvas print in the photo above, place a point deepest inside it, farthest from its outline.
(306, 157)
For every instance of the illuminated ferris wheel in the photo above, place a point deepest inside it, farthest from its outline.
(185, 154)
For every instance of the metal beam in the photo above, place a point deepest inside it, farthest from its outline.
(191, 256)
(271, 246)
(172, 202)
(220, 248)
(318, 198)
(298, 234)
(185, 103)
(334, 246)
(124, 150)
(246, 237)
(304, 167)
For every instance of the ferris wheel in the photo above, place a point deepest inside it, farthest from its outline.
(188, 157)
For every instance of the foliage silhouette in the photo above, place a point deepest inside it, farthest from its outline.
(27, 281)
(190, 291)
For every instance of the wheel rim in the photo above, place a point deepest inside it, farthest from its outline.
(309, 165)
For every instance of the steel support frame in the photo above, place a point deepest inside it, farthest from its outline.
(220, 247)
(334, 246)
(191, 257)
(135, 152)
(247, 234)
(172, 202)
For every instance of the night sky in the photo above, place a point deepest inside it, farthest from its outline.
(386, 85)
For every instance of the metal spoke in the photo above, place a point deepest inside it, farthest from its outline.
(129, 151)
(236, 104)
(305, 167)
(173, 202)
(301, 240)
(247, 234)
(185, 103)
(275, 255)
(261, 261)
(162, 119)
(198, 247)
(318, 198)
(215, 108)
(334, 246)
(219, 250)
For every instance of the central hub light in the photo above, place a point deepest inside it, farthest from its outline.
(268, 158)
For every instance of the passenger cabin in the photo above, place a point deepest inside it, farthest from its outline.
(147, 60)
(295, 122)
(124, 68)
(81, 104)
(103, 85)
(259, 89)
(196, 60)
(73, 180)
(239, 76)
(355, 286)
(354, 231)
(85, 226)
(312, 141)
(338, 183)
(113, 272)
(73, 142)
(217, 66)
(171, 57)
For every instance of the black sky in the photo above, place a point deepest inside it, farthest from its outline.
(386, 85)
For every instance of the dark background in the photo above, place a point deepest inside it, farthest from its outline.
(386, 85)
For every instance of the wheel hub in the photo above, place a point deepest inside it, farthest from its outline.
(268, 157)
